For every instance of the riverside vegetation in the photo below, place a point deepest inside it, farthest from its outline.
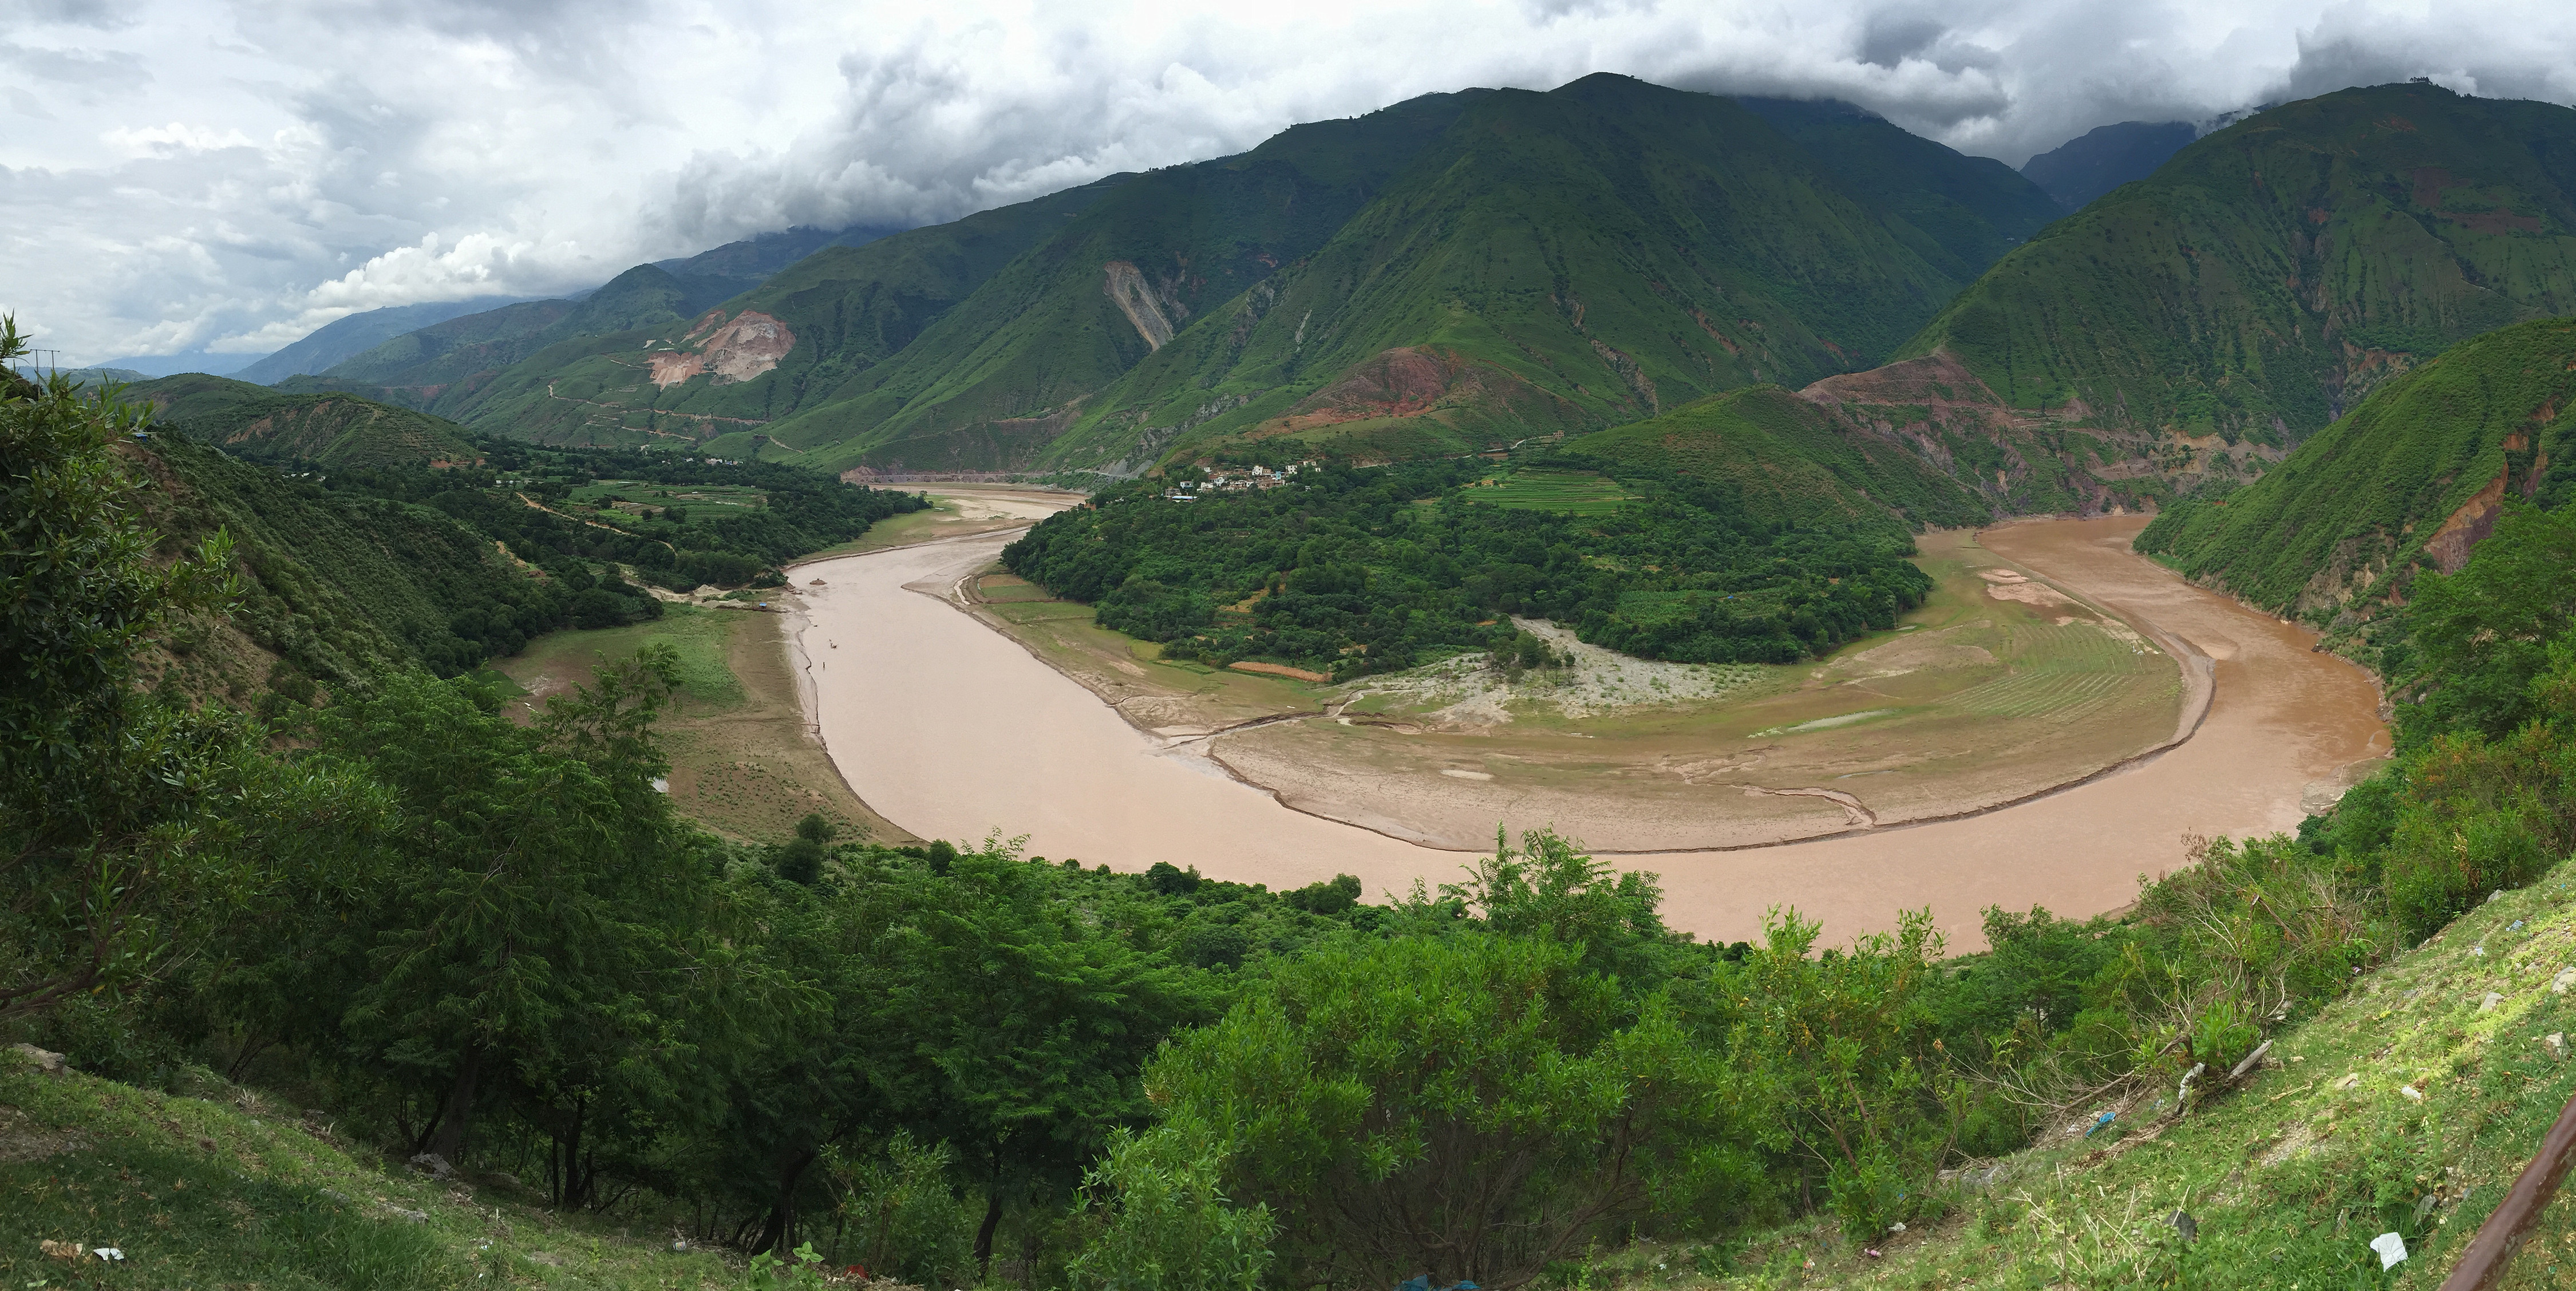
(494, 946)
(1358, 571)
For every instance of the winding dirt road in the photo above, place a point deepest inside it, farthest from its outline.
(956, 731)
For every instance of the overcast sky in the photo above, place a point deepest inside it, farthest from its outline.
(184, 174)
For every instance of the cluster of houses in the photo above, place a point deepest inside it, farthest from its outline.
(1259, 477)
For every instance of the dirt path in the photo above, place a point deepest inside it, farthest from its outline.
(955, 731)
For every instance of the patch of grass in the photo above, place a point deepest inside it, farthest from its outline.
(222, 1192)
(559, 660)
(1571, 492)
(741, 761)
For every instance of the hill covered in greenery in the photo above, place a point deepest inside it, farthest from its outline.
(1561, 262)
(1384, 280)
(2269, 276)
(316, 428)
(1790, 460)
(370, 537)
(2409, 480)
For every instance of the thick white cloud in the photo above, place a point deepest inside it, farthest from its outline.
(181, 174)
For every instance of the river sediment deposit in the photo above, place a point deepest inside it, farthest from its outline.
(954, 730)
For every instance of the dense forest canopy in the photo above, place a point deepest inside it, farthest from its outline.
(1357, 570)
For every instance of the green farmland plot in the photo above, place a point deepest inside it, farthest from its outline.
(1569, 492)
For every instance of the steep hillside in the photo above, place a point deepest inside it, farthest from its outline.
(2409, 1106)
(339, 588)
(1958, 212)
(2269, 276)
(995, 381)
(2105, 157)
(1792, 461)
(324, 428)
(359, 333)
(1454, 270)
(801, 337)
(1555, 263)
(444, 360)
(2412, 478)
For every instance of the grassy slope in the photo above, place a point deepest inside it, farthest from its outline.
(1793, 461)
(1575, 259)
(2365, 496)
(2268, 276)
(222, 1191)
(325, 428)
(2289, 1178)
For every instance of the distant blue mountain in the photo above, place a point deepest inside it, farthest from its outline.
(2079, 170)
(171, 365)
(357, 334)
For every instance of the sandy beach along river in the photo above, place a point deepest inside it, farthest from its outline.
(954, 731)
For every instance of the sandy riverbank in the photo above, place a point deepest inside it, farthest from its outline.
(955, 731)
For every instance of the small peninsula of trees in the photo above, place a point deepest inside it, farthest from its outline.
(1372, 570)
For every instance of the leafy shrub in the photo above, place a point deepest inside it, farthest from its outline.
(1165, 1226)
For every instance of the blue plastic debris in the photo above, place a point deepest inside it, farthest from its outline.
(2517, 926)
(2099, 1122)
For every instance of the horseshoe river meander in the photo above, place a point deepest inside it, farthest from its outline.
(955, 731)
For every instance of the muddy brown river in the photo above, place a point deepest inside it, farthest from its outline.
(954, 731)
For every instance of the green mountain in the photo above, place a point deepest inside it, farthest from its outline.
(1968, 210)
(327, 428)
(623, 376)
(2105, 157)
(1567, 261)
(336, 342)
(2410, 479)
(2266, 278)
(971, 328)
(1454, 270)
(442, 364)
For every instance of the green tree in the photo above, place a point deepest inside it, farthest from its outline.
(1164, 1226)
(1474, 1105)
(119, 812)
(521, 919)
(1841, 1052)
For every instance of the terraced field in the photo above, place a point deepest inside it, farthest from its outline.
(1571, 492)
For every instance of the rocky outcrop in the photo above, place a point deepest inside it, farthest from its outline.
(738, 349)
(1127, 290)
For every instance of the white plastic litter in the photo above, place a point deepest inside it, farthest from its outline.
(2391, 1248)
(109, 1254)
(2411, 1092)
